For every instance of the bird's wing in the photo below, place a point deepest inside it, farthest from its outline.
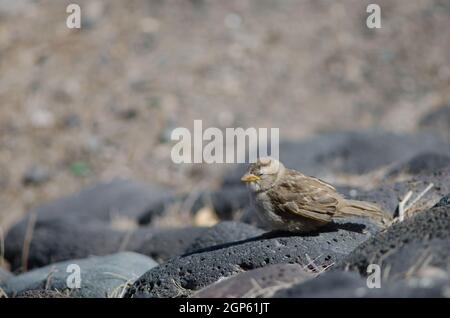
(306, 196)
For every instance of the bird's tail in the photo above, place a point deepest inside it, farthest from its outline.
(365, 209)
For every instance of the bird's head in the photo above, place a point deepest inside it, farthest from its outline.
(263, 174)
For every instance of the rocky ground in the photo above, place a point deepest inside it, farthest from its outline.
(85, 171)
(236, 257)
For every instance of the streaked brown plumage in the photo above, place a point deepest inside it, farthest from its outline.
(288, 200)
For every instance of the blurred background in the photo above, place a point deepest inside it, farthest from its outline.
(80, 106)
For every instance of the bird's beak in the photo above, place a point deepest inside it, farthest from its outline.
(249, 177)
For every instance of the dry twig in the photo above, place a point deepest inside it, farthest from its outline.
(403, 207)
(27, 241)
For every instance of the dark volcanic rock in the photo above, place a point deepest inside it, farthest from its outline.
(104, 201)
(224, 232)
(364, 152)
(104, 276)
(444, 201)
(56, 240)
(338, 284)
(415, 288)
(164, 244)
(422, 240)
(389, 195)
(181, 276)
(41, 293)
(260, 282)
(82, 224)
(424, 163)
(332, 284)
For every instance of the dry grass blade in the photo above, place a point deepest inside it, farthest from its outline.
(189, 201)
(269, 291)
(119, 291)
(3, 293)
(125, 241)
(48, 281)
(117, 276)
(324, 269)
(311, 263)
(403, 207)
(421, 194)
(386, 273)
(27, 241)
(258, 291)
(266, 292)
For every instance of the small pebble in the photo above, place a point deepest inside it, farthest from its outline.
(41, 118)
(36, 176)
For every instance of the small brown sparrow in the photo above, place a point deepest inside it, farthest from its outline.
(290, 201)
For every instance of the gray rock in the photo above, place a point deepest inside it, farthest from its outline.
(105, 276)
(162, 245)
(165, 243)
(56, 240)
(260, 282)
(103, 201)
(35, 176)
(41, 293)
(333, 284)
(388, 195)
(340, 284)
(424, 163)
(222, 233)
(406, 247)
(81, 224)
(181, 276)
(359, 153)
(415, 288)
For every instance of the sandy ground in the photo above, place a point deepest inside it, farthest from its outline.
(101, 102)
